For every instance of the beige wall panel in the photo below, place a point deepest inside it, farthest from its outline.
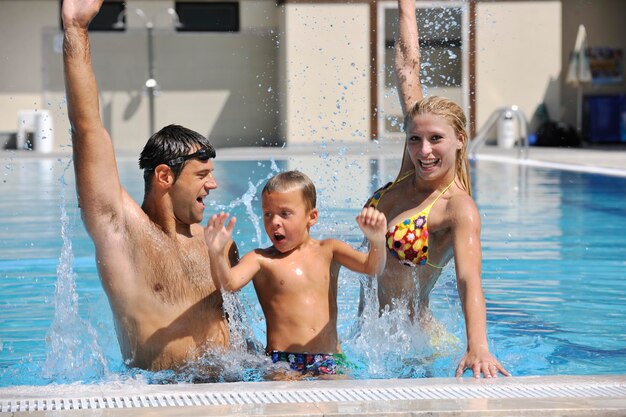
(181, 107)
(326, 82)
(222, 84)
(21, 24)
(518, 56)
(260, 14)
(12, 103)
(315, 55)
(21, 69)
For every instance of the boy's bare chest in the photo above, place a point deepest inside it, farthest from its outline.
(310, 272)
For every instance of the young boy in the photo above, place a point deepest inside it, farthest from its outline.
(296, 278)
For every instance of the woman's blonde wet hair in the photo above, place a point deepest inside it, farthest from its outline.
(293, 180)
(454, 115)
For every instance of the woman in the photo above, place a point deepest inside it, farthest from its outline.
(430, 212)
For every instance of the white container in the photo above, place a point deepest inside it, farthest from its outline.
(506, 131)
(39, 122)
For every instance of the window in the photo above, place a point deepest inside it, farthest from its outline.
(208, 17)
(443, 31)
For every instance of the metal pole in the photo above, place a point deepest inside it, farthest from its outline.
(579, 109)
(151, 83)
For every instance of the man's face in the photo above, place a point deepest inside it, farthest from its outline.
(189, 190)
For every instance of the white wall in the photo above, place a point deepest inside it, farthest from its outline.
(220, 84)
(518, 56)
(316, 56)
(21, 68)
(324, 78)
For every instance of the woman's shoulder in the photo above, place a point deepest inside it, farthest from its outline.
(462, 207)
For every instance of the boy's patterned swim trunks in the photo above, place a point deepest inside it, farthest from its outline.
(314, 363)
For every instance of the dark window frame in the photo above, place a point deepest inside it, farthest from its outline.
(229, 9)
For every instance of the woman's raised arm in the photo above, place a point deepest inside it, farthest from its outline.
(407, 64)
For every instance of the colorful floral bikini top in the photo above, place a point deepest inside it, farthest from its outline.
(408, 240)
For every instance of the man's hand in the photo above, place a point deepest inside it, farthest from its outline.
(373, 224)
(216, 235)
(78, 13)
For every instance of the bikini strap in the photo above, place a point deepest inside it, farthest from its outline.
(428, 209)
(442, 193)
(378, 195)
(402, 177)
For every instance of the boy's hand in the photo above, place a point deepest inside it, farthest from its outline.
(216, 235)
(373, 224)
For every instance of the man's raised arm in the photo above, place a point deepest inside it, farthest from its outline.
(100, 194)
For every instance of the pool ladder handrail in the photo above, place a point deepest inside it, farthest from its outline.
(481, 136)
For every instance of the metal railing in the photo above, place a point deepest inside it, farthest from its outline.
(522, 122)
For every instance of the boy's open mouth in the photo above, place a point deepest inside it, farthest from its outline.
(278, 237)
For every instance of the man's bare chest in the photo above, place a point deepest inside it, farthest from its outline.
(175, 272)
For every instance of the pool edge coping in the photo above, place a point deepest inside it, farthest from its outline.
(565, 405)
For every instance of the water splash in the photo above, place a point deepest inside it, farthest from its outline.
(241, 334)
(246, 200)
(215, 365)
(74, 353)
(236, 305)
(386, 343)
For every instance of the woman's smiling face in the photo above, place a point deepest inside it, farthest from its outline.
(432, 145)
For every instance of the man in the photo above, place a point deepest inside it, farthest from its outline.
(152, 260)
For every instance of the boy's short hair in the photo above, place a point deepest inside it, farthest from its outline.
(290, 180)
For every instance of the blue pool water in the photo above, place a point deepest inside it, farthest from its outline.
(553, 271)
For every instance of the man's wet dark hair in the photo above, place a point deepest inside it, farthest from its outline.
(168, 145)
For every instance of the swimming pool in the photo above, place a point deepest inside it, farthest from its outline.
(552, 270)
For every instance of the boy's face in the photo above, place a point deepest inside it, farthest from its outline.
(286, 219)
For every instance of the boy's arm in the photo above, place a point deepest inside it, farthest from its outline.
(407, 64)
(100, 193)
(374, 225)
(219, 239)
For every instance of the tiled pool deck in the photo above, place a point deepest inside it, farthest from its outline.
(528, 396)
(596, 396)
